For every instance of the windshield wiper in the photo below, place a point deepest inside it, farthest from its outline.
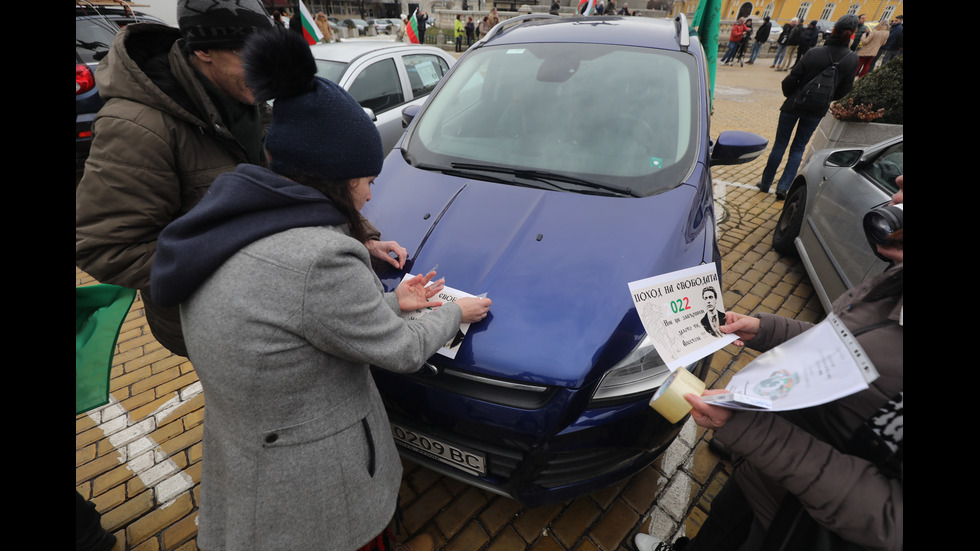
(464, 172)
(547, 177)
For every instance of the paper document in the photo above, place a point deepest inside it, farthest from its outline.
(820, 365)
(681, 312)
(447, 294)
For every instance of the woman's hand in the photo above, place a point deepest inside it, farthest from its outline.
(414, 295)
(382, 250)
(745, 327)
(474, 309)
(708, 416)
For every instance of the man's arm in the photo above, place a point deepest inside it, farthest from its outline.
(128, 194)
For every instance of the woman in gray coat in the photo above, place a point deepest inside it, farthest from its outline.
(283, 315)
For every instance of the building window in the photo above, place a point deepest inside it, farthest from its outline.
(803, 11)
(853, 9)
(828, 11)
(888, 13)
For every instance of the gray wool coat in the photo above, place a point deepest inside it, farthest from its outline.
(298, 452)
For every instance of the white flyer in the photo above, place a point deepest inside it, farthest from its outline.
(681, 312)
(447, 294)
(820, 365)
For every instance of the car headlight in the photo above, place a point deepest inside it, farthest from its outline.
(641, 371)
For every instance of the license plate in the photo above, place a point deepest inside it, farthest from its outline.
(464, 460)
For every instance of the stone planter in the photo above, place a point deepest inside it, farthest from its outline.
(833, 134)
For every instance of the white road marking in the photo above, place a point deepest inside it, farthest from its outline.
(139, 452)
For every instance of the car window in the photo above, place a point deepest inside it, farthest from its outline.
(887, 167)
(424, 72)
(377, 87)
(330, 70)
(92, 40)
(549, 107)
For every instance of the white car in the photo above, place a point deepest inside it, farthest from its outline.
(384, 77)
(384, 26)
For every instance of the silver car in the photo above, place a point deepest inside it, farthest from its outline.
(384, 77)
(822, 218)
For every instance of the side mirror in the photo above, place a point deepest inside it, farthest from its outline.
(844, 158)
(409, 113)
(370, 114)
(736, 147)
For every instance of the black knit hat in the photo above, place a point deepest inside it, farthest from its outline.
(317, 129)
(221, 24)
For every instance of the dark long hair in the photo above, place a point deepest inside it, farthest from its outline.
(339, 193)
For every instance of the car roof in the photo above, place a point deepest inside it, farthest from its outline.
(348, 51)
(619, 30)
(114, 14)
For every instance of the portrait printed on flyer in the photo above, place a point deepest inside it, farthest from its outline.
(682, 312)
(446, 295)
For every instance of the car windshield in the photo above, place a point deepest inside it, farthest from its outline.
(619, 116)
(330, 70)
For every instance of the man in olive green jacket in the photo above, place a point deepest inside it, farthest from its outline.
(177, 114)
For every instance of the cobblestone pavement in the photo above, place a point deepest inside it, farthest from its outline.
(139, 458)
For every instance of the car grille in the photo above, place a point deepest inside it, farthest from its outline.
(487, 389)
(574, 466)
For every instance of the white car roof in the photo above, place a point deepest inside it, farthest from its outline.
(348, 51)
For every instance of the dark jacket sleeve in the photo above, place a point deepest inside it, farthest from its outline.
(775, 330)
(125, 199)
(844, 493)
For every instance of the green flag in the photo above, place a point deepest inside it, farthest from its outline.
(706, 23)
(99, 313)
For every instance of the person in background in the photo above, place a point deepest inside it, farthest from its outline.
(793, 40)
(761, 37)
(870, 47)
(734, 38)
(781, 43)
(470, 30)
(808, 39)
(323, 24)
(862, 33)
(459, 31)
(802, 118)
(894, 45)
(283, 317)
(834, 470)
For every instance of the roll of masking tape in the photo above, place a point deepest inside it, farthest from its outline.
(669, 399)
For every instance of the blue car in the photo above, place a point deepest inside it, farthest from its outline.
(559, 159)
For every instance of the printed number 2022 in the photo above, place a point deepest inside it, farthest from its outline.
(679, 305)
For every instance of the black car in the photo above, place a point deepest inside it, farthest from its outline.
(95, 27)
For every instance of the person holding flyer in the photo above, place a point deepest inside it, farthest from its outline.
(834, 470)
(283, 315)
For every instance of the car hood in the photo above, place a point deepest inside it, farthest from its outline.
(555, 264)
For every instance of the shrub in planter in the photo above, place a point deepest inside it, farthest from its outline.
(878, 97)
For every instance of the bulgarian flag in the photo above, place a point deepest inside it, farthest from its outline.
(310, 31)
(413, 28)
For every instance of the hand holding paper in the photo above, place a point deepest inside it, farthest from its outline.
(708, 416)
(744, 327)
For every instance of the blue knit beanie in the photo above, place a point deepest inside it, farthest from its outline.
(318, 130)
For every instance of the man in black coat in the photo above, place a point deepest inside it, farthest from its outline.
(802, 118)
(808, 39)
(761, 37)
